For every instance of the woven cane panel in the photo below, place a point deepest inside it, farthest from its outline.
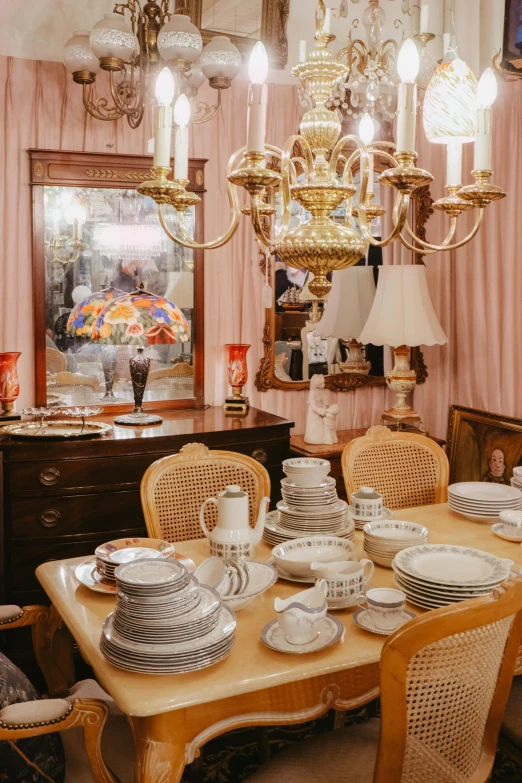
(449, 690)
(405, 474)
(181, 491)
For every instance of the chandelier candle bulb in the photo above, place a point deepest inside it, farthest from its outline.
(454, 162)
(366, 132)
(164, 95)
(181, 154)
(328, 21)
(302, 51)
(486, 94)
(408, 64)
(424, 18)
(257, 99)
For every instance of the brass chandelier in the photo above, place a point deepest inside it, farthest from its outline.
(133, 44)
(317, 168)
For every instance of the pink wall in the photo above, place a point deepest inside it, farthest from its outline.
(476, 290)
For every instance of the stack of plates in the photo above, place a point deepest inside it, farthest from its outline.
(124, 550)
(165, 621)
(277, 533)
(481, 500)
(516, 481)
(434, 575)
(387, 513)
(314, 519)
(383, 540)
(309, 497)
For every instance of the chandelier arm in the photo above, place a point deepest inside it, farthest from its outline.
(135, 109)
(134, 120)
(386, 49)
(207, 112)
(99, 109)
(457, 245)
(186, 240)
(428, 245)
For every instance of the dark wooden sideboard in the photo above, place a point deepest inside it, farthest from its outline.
(62, 499)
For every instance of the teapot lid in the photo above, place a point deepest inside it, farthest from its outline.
(233, 491)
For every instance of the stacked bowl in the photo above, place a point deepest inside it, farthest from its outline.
(310, 504)
(483, 501)
(165, 622)
(383, 540)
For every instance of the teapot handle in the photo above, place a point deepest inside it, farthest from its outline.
(202, 515)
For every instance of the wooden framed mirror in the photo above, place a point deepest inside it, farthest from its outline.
(120, 246)
(245, 22)
(284, 364)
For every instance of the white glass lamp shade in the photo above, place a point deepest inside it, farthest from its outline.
(112, 36)
(402, 311)
(179, 39)
(77, 54)
(181, 292)
(220, 58)
(80, 293)
(349, 304)
(195, 77)
(450, 103)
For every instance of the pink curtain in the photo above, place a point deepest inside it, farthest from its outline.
(475, 290)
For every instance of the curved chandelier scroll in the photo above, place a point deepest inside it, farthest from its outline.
(317, 167)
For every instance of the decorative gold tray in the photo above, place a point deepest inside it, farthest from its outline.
(57, 429)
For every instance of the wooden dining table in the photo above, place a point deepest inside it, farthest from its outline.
(172, 716)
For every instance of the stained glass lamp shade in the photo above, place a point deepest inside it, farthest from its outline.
(450, 103)
(140, 318)
(83, 317)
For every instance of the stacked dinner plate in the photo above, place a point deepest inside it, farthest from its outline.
(382, 540)
(434, 575)
(123, 550)
(481, 500)
(165, 622)
(516, 480)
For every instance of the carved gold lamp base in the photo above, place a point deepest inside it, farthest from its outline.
(355, 363)
(402, 381)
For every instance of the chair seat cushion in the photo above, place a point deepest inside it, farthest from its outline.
(45, 751)
(40, 711)
(344, 756)
(512, 725)
(8, 613)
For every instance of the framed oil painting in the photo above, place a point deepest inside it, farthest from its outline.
(483, 446)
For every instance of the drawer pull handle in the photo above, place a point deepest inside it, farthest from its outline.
(49, 476)
(50, 518)
(260, 455)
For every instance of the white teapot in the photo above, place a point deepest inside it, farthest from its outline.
(233, 537)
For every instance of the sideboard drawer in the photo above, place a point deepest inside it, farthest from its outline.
(80, 473)
(269, 453)
(68, 515)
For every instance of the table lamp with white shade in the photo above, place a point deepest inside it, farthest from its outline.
(403, 317)
(346, 313)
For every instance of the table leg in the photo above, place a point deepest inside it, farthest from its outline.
(160, 747)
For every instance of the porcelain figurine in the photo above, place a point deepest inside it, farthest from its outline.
(321, 417)
(233, 537)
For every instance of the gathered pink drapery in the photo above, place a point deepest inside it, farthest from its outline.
(475, 290)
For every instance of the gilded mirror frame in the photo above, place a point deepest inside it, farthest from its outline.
(266, 378)
(273, 29)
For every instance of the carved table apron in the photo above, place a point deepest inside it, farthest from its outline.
(174, 715)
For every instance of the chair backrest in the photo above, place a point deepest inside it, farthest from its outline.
(445, 681)
(55, 361)
(406, 469)
(174, 488)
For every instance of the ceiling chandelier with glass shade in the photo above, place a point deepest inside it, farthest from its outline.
(317, 167)
(132, 45)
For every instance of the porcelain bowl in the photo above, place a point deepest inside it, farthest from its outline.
(306, 471)
(296, 556)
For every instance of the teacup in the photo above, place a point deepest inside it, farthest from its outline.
(385, 605)
(345, 579)
(512, 523)
(366, 504)
(302, 614)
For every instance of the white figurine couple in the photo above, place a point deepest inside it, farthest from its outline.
(321, 418)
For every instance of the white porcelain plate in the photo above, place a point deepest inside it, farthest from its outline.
(446, 564)
(500, 531)
(330, 631)
(150, 572)
(87, 575)
(484, 491)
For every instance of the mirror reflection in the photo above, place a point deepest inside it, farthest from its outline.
(101, 244)
(233, 17)
(315, 336)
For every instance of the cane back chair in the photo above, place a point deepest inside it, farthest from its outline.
(445, 680)
(174, 488)
(406, 469)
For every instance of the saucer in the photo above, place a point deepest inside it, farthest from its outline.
(387, 513)
(344, 603)
(363, 619)
(87, 574)
(330, 631)
(499, 531)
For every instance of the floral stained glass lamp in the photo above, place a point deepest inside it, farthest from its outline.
(140, 319)
(81, 323)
